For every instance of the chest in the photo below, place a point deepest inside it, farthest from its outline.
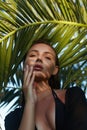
(45, 114)
(51, 111)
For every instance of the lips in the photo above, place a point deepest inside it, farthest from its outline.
(38, 67)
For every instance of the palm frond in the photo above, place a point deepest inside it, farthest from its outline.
(61, 22)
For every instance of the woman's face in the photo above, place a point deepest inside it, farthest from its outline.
(42, 58)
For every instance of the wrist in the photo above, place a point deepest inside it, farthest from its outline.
(30, 103)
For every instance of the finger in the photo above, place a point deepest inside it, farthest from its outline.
(29, 76)
(32, 80)
(25, 73)
(27, 80)
(31, 85)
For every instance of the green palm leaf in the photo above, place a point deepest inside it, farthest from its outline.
(61, 22)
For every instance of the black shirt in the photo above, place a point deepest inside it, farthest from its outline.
(69, 116)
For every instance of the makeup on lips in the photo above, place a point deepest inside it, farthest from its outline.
(37, 67)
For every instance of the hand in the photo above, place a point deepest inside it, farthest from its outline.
(28, 85)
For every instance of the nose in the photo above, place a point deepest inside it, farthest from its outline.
(39, 60)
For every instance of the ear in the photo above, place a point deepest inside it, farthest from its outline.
(55, 70)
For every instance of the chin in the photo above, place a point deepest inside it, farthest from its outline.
(39, 76)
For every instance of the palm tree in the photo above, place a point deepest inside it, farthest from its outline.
(63, 23)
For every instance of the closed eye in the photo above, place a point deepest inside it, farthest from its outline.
(48, 58)
(32, 55)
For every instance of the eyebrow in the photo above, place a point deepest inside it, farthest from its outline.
(44, 52)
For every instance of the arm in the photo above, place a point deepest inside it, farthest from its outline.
(28, 118)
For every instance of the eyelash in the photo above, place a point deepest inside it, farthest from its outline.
(48, 58)
(32, 55)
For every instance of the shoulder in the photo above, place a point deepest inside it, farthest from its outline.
(14, 113)
(75, 95)
(75, 89)
(61, 94)
(12, 120)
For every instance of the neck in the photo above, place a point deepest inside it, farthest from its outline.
(41, 86)
(42, 89)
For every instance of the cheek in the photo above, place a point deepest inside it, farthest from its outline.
(51, 69)
(30, 61)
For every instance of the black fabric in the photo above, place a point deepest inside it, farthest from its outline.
(59, 112)
(12, 120)
(76, 109)
(71, 116)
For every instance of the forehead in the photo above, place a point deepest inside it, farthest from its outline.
(41, 47)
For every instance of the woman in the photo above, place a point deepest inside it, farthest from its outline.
(46, 108)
